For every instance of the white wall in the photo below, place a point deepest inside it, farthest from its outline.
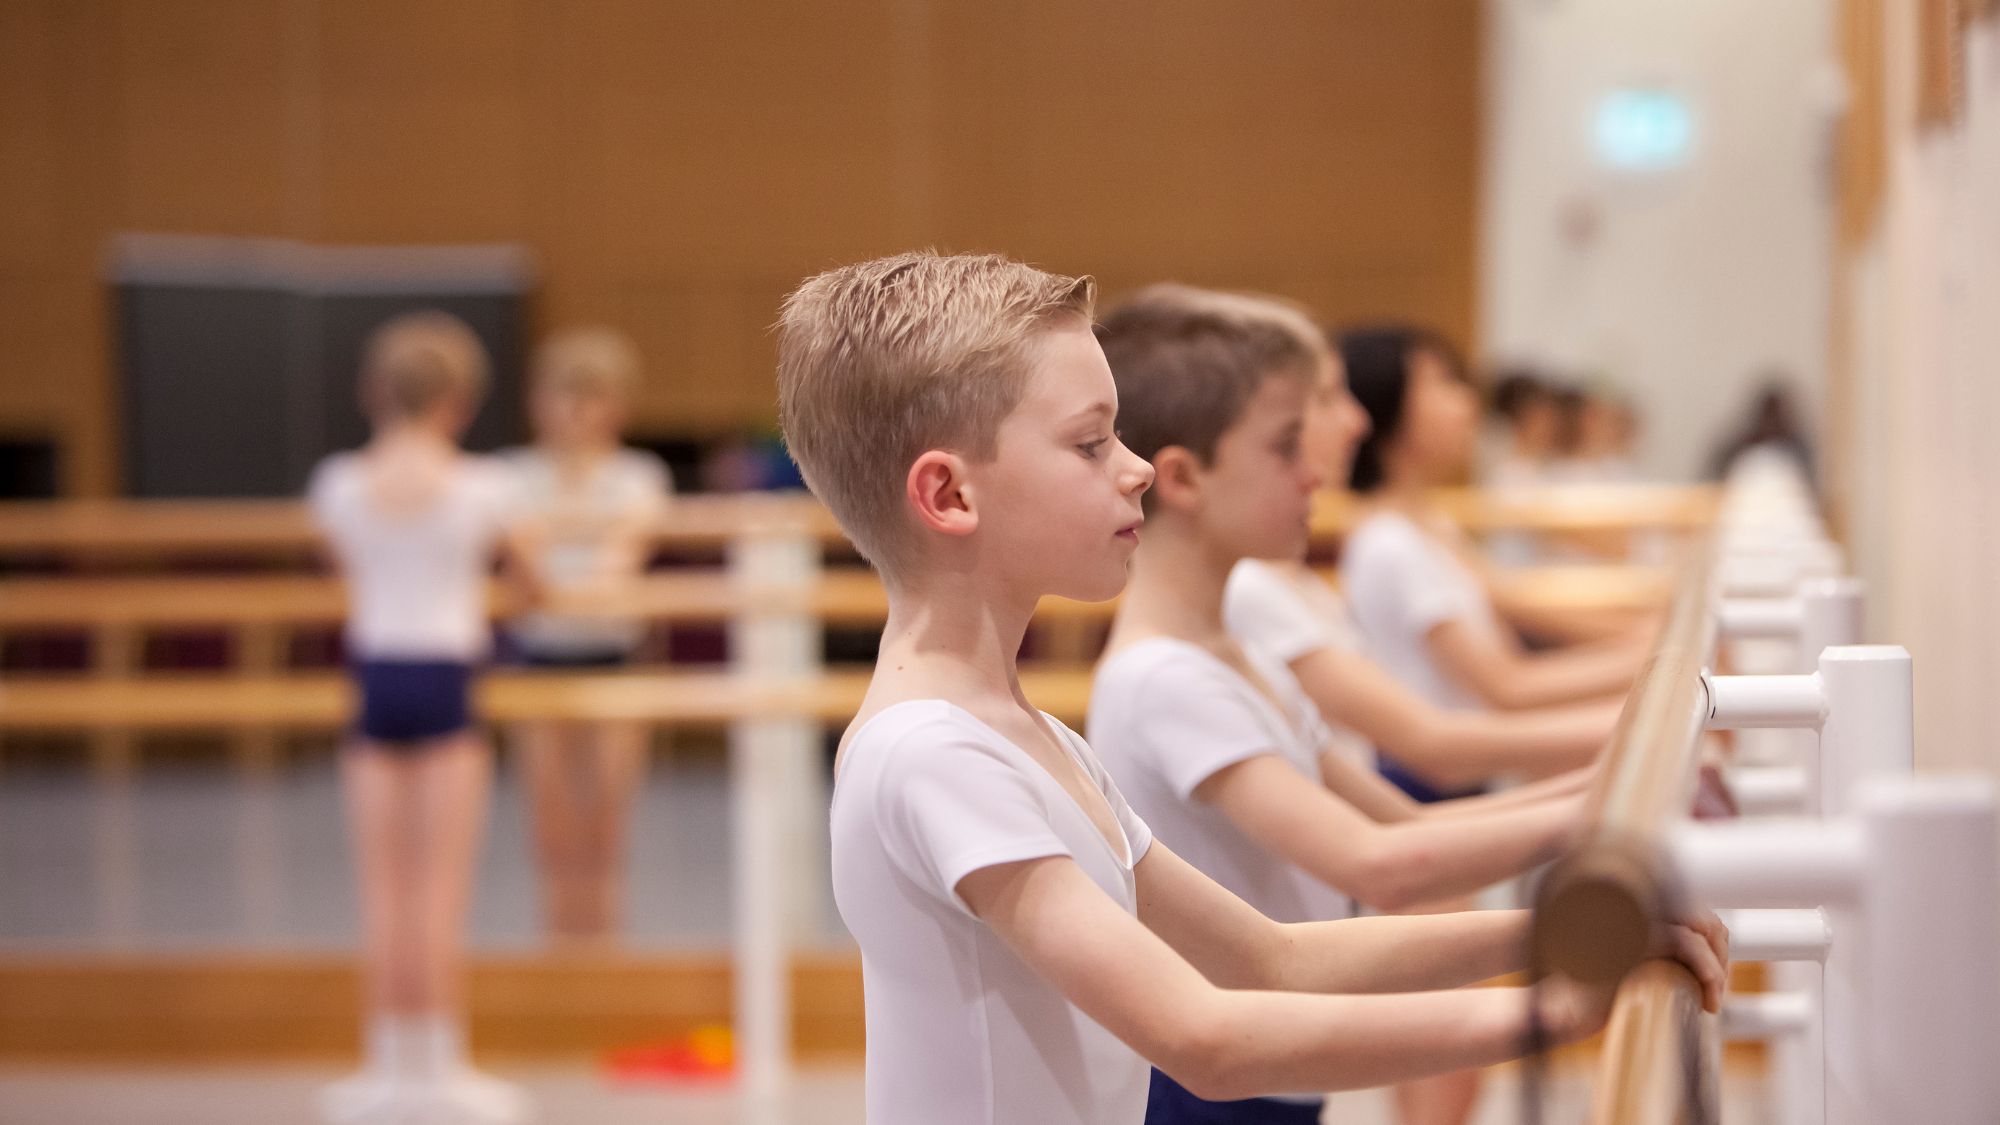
(1695, 280)
(1924, 325)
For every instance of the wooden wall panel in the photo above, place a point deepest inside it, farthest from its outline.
(203, 117)
(675, 168)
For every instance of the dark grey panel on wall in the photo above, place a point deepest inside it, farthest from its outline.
(205, 382)
(239, 356)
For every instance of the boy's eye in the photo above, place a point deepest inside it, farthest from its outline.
(1089, 448)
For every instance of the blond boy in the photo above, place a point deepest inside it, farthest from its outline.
(1027, 947)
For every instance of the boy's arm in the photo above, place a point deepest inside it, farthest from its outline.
(1572, 786)
(522, 543)
(1225, 1044)
(1507, 677)
(1451, 747)
(1234, 946)
(1388, 866)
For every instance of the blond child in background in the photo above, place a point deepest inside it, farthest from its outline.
(593, 507)
(414, 525)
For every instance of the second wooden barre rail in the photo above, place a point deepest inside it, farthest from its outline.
(1598, 909)
(1595, 911)
(141, 527)
(324, 701)
(837, 597)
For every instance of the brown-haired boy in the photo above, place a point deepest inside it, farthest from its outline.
(1026, 945)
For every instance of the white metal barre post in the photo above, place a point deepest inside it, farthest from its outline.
(763, 755)
(1917, 936)
(1860, 701)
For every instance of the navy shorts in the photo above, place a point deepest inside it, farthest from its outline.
(410, 701)
(1421, 791)
(1169, 1103)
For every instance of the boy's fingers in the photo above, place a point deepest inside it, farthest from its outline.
(1701, 959)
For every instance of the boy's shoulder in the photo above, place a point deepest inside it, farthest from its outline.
(333, 473)
(1385, 534)
(879, 739)
(1159, 672)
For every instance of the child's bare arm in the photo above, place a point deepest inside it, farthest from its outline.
(1569, 786)
(1236, 947)
(521, 574)
(1451, 747)
(1388, 866)
(1223, 1043)
(1507, 677)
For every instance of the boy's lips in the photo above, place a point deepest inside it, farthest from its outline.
(1130, 531)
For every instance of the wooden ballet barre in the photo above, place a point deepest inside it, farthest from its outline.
(1596, 911)
(142, 528)
(1550, 508)
(326, 701)
(1654, 1067)
(845, 597)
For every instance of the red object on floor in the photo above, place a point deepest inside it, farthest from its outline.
(704, 1055)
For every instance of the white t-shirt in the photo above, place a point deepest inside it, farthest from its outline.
(1166, 715)
(416, 582)
(1285, 611)
(579, 514)
(1401, 583)
(959, 1029)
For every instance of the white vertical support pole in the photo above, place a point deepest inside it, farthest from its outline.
(1929, 956)
(1830, 614)
(765, 757)
(1870, 726)
(1869, 732)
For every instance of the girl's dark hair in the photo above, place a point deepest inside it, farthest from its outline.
(1377, 359)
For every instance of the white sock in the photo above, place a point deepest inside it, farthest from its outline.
(387, 1038)
(439, 1049)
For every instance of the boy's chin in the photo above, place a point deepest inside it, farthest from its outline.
(1099, 587)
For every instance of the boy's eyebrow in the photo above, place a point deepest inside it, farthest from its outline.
(1104, 408)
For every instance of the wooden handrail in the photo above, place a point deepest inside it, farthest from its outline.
(850, 596)
(1596, 910)
(324, 701)
(155, 527)
(1658, 1066)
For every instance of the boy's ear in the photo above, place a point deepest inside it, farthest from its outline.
(1177, 474)
(939, 493)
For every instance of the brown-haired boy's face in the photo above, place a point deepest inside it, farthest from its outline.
(1256, 494)
(1059, 502)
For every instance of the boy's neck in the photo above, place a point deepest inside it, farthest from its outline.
(1176, 588)
(409, 434)
(952, 637)
(1407, 495)
(579, 456)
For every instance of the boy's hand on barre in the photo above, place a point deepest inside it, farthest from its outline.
(1701, 942)
(1568, 1010)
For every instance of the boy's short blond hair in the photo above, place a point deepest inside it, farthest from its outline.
(1187, 361)
(415, 362)
(587, 360)
(882, 360)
